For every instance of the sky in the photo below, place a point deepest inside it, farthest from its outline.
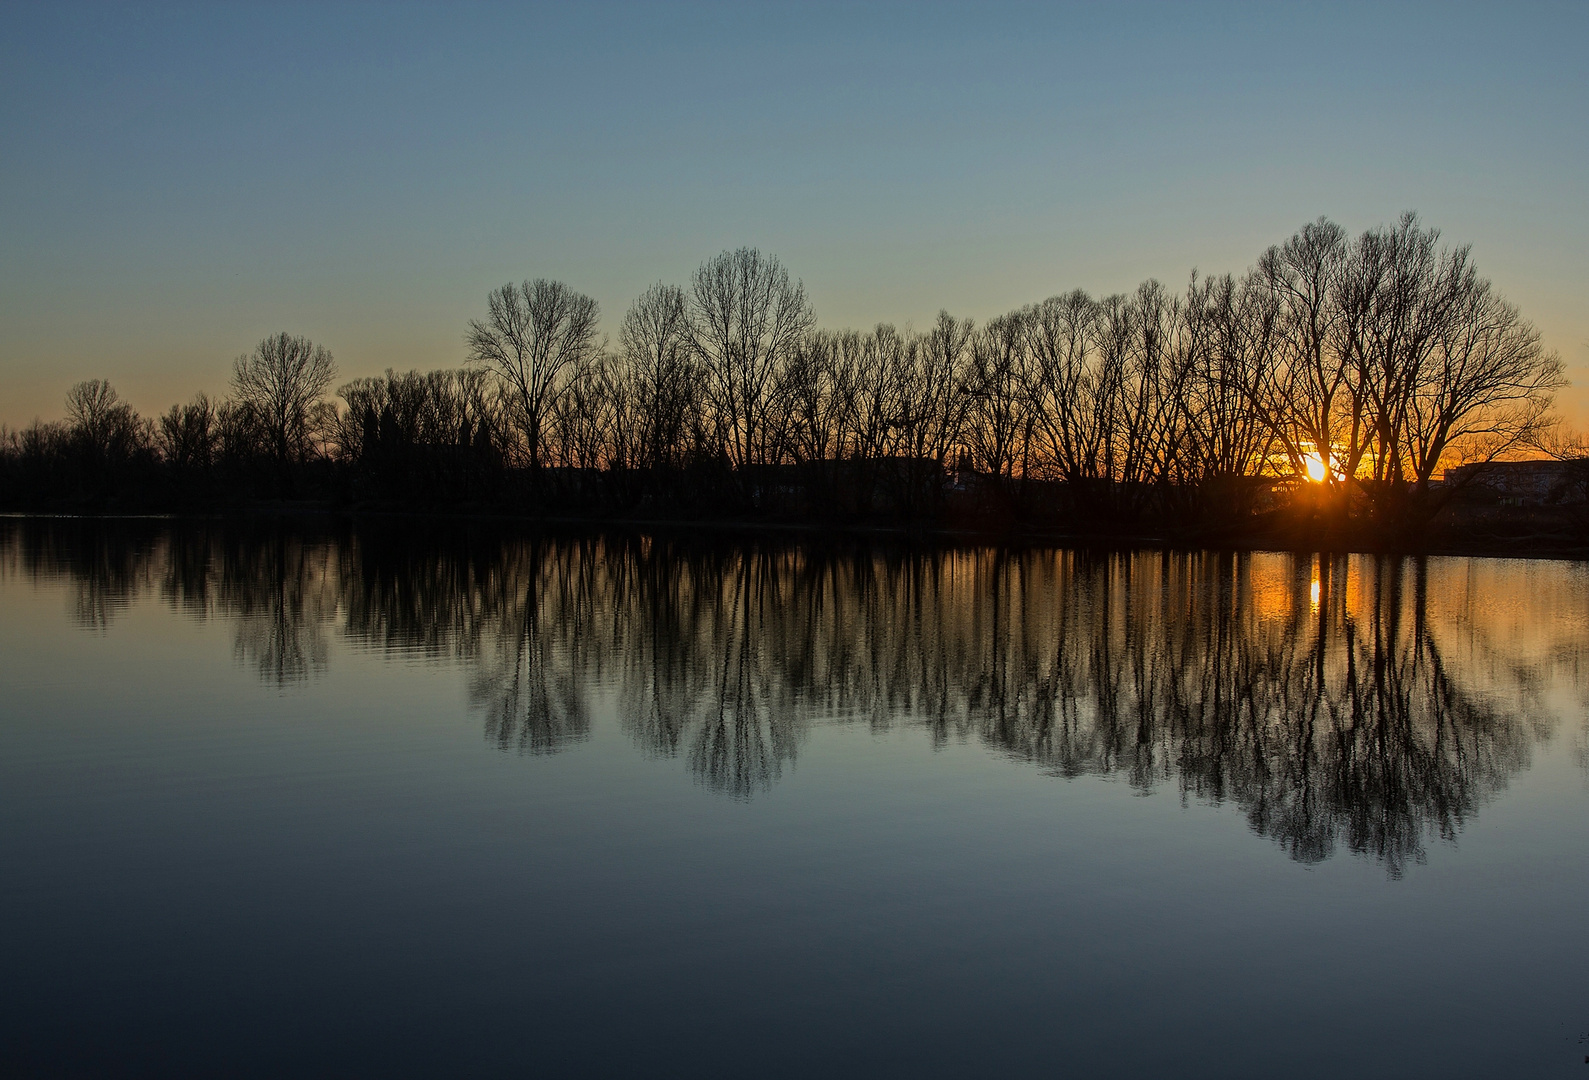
(176, 182)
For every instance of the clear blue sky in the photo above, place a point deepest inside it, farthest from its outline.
(176, 182)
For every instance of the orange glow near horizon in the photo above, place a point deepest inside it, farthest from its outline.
(1315, 467)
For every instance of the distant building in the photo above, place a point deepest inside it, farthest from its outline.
(1538, 482)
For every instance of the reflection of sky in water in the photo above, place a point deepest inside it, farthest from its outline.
(252, 763)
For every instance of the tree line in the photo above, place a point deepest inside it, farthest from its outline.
(1336, 378)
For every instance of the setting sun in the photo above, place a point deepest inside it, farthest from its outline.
(1314, 464)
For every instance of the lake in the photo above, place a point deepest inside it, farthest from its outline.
(404, 799)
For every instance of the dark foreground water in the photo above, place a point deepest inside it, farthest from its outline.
(289, 802)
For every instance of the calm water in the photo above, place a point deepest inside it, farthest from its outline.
(282, 802)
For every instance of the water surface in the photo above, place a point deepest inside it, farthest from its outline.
(289, 800)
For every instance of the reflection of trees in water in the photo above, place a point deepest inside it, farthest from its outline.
(102, 569)
(1334, 701)
(282, 592)
(753, 724)
(279, 588)
(528, 678)
(1340, 726)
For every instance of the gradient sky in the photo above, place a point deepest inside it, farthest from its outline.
(177, 182)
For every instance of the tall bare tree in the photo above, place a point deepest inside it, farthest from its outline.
(1228, 444)
(660, 371)
(1444, 366)
(100, 421)
(1060, 334)
(934, 409)
(1487, 389)
(186, 433)
(1392, 356)
(999, 419)
(537, 337)
(278, 384)
(809, 391)
(1302, 400)
(746, 321)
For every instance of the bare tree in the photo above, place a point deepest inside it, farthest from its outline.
(746, 321)
(864, 394)
(1160, 365)
(660, 371)
(1302, 398)
(1060, 334)
(537, 336)
(997, 411)
(1442, 363)
(278, 385)
(809, 391)
(1393, 356)
(101, 423)
(1397, 293)
(187, 434)
(1486, 389)
(934, 410)
(877, 382)
(1230, 327)
(582, 419)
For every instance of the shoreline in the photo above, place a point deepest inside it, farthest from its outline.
(1558, 546)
